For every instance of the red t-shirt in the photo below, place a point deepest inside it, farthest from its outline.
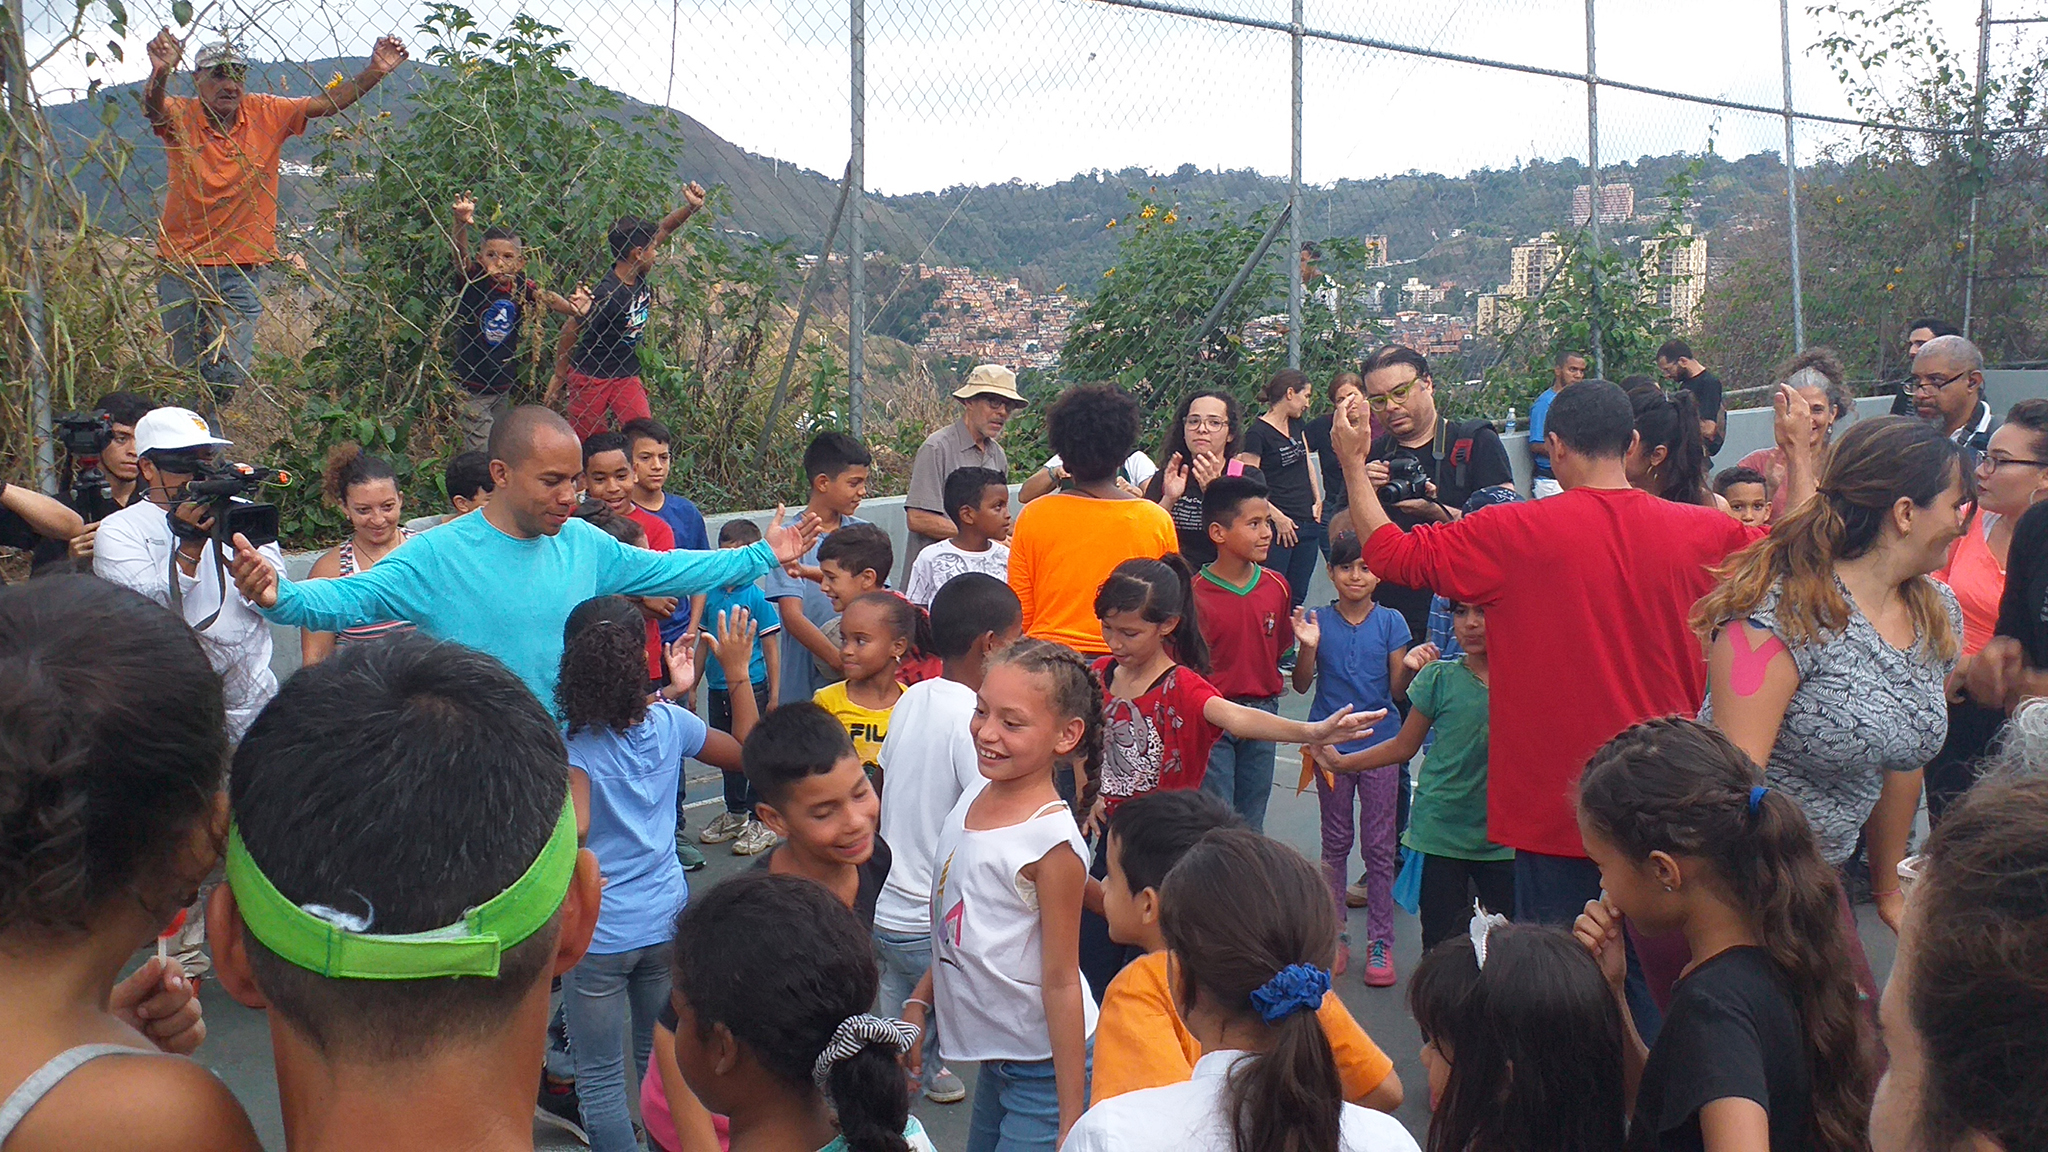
(1248, 630)
(1586, 598)
(660, 538)
(1160, 740)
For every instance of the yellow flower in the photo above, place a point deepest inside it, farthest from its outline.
(1111, 224)
(1171, 218)
(1149, 212)
(1838, 199)
(1108, 272)
(1889, 287)
(1896, 271)
(337, 82)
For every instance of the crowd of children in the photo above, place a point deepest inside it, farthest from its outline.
(975, 844)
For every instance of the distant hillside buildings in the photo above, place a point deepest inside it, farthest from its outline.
(994, 321)
(1673, 270)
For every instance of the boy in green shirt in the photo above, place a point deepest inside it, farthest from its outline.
(1447, 819)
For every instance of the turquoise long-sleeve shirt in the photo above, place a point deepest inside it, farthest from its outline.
(468, 582)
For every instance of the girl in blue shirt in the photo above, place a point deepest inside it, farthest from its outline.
(629, 749)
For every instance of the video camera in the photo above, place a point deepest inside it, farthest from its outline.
(83, 436)
(225, 487)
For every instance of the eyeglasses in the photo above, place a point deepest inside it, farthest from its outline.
(1398, 394)
(1991, 462)
(1931, 384)
(1205, 423)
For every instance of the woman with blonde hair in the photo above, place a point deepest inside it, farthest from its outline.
(1829, 644)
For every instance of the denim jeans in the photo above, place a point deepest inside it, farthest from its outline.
(1016, 1106)
(1555, 890)
(602, 995)
(1298, 563)
(904, 959)
(1241, 771)
(210, 314)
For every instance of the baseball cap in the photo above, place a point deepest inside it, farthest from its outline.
(174, 430)
(990, 380)
(214, 55)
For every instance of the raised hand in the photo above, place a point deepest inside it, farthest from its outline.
(1350, 428)
(165, 50)
(1208, 466)
(387, 54)
(161, 1002)
(734, 643)
(1599, 929)
(1419, 657)
(1345, 725)
(580, 299)
(1307, 632)
(465, 208)
(789, 542)
(680, 656)
(693, 196)
(1173, 480)
(255, 579)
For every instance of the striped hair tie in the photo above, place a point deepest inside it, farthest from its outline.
(855, 1033)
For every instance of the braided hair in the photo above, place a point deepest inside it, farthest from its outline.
(1072, 690)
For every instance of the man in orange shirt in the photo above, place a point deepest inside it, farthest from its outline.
(219, 226)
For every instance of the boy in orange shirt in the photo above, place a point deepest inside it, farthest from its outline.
(1140, 1040)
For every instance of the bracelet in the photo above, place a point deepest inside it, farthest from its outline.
(925, 1004)
(1874, 893)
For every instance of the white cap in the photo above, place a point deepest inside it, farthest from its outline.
(174, 430)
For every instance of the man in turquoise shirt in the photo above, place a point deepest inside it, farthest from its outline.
(504, 579)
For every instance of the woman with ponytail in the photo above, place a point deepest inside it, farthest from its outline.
(773, 981)
(1668, 458)
(365, 488)
(1829, 645)
(1765, 1042)
(1252, 933)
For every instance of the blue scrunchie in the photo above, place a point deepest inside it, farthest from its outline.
(1295, 988)
(1756, 797)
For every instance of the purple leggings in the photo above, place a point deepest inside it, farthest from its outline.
(1360, 807)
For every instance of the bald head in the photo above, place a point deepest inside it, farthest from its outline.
(516, 433)
(1949, 354)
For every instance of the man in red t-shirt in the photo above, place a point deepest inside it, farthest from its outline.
(1586, 595)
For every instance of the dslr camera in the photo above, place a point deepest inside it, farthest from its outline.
(83, 436)
(225, 489)
(1405, 481)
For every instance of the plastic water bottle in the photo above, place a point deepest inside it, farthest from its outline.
(1511, 422)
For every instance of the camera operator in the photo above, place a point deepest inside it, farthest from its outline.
(139, 544)
(1433, 465)
(100, 483)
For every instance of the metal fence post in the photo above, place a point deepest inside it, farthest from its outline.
(1593, 194)
(1792, 183)
(1294, 210)
(1977, 140)
(20, 161)
(856, 252)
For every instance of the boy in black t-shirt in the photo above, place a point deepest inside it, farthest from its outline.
(602, 372)
(496, 296)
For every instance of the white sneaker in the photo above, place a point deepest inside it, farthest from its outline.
(1356, 895)
(754, 839)
(726, 826)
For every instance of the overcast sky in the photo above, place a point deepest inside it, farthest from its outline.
(977, 91)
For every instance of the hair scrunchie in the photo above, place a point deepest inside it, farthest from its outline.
(855, 1033)
(1295, 988)
(1756, 797)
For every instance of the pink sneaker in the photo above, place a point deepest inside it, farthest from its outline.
(1379, 965)
(1343, 957)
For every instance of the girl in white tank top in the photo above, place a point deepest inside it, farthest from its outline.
(1006, 904)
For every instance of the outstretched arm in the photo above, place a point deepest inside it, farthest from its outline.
(385, 57)
(693, 199)
(1399, 750)
(1258, 724)
(164, 52)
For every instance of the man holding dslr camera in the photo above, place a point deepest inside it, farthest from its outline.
(100, 472)
(1425, 466)
(162, 546)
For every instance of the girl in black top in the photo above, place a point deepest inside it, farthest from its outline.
(1202, 445)
(1277, 445)
(1765, 1042)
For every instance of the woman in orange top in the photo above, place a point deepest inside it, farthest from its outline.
(1066, 544)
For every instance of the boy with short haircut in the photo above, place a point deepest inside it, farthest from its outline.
(467, 480)
(604, 367)
(1245, 615)
(1140, 1039)
(836, 480)
(1748, 494)
(495, 296)
(929, 759)
(415, 796)
(647, 445)
(1355, 651)
(815, 795)
(737, 823)
(608, 479)
(978, 500)
(853, 562)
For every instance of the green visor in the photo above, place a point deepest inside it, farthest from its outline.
(469, 947)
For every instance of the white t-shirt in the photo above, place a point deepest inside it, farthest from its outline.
(928, 760)
(944, 560)
(987, 946)
(1189, 1117)
(133, 549)
(1138, 468)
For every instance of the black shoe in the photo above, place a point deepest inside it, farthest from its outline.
(558, 1099)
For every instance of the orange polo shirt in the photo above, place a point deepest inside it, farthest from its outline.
(221, 206)
(1140, 1041)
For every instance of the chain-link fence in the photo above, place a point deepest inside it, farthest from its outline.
(1077, 188)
